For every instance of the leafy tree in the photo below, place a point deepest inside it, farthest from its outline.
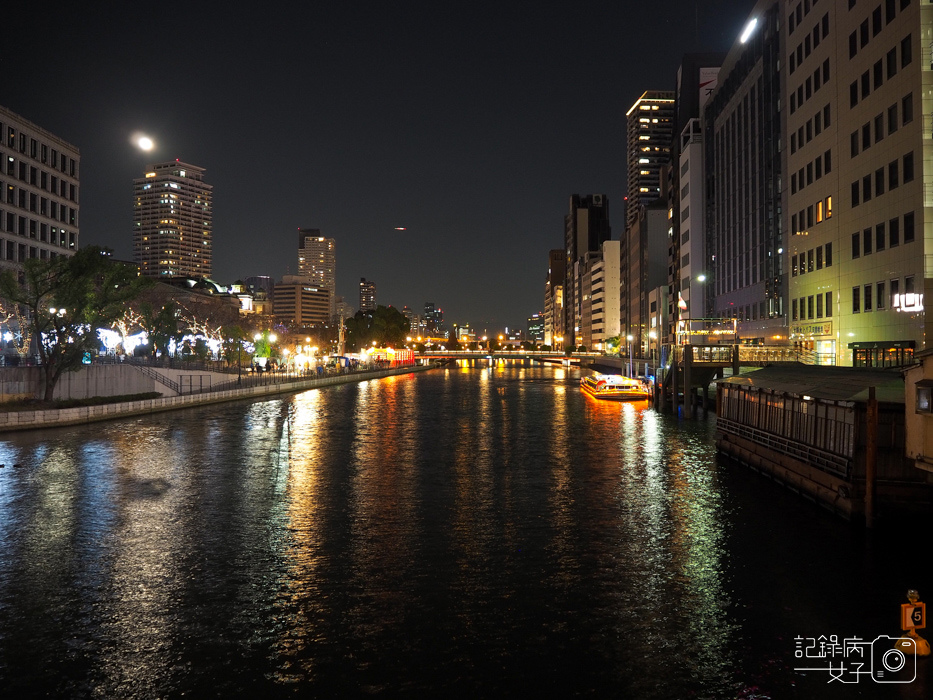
(386, 325)
(68, 299)
(161, 326)
(233, 335)
(613, 344)
(262, 347)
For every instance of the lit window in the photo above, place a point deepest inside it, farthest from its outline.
(924, 396)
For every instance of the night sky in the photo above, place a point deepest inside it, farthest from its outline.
(471, 124)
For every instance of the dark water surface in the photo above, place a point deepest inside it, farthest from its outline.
(472, 532)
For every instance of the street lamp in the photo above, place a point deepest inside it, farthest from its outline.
(630, 339)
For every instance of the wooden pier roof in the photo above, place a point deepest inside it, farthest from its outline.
(829, 383)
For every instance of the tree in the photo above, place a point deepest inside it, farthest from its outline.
(234, 335)
(68, 299)
(161, 326)
(386, 325)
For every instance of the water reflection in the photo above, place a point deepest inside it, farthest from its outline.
(485, 530)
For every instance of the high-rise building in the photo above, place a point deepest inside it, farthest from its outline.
(367, 295)
(586, 226)
(317, 261)
(601, 290)
(817, 147)
(554, 296)
(536, 328)
(857, 191)
(433, 319)
(697, 79)
(172, 221)
(744, 162)
(650, 123)
(39, 205)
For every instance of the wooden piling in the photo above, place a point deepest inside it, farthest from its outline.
(871, 456)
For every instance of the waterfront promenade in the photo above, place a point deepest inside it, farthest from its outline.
(251, 389)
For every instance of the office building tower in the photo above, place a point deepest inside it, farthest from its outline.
(644, 267)
(600, 291)
(367, 295)
(535, 330)
(299, 305)
(858, 151)
(39, 205)
(172, 221)
(697, 78)
(433, 319)
(317, 261)
(586, 226)
(745, 228)
(650, 123)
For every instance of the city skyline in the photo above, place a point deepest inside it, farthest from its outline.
(470, 131)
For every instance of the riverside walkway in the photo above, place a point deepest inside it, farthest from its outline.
(53, 418)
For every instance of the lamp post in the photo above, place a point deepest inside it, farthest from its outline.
(629, 338)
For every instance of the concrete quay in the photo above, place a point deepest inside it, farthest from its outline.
(54, 418)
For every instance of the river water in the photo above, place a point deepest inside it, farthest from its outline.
(478, 531)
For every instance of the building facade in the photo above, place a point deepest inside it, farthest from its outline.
(40, 202)
(644, 260)
(301, 305)
(172, 221)
(367, 295)
(745, 217)
(554, 296)
(586, 227)
(317, 261)
(859, 195)
(649, 129)
(600, 296)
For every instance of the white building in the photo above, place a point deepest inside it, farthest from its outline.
(172, 221)
(317, 261)
(600, 295)
(39, 204)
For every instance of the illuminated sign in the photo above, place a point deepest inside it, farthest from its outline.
(910, 303)
(813, 329)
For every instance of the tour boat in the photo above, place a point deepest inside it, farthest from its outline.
(614, 387)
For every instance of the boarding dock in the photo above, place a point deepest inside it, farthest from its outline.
(834, 434)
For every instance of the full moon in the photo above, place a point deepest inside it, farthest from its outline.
(145, 143)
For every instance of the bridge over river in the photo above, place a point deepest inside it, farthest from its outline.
(681, 375)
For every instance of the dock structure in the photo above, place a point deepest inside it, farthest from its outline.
(833, 434)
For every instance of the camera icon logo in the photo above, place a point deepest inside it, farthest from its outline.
(893, 659)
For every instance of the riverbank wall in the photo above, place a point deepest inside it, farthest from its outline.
(54, 418)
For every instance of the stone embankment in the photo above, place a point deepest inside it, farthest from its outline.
(53, 418)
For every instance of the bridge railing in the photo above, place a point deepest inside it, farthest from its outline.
(706, 354)
(507, 353)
